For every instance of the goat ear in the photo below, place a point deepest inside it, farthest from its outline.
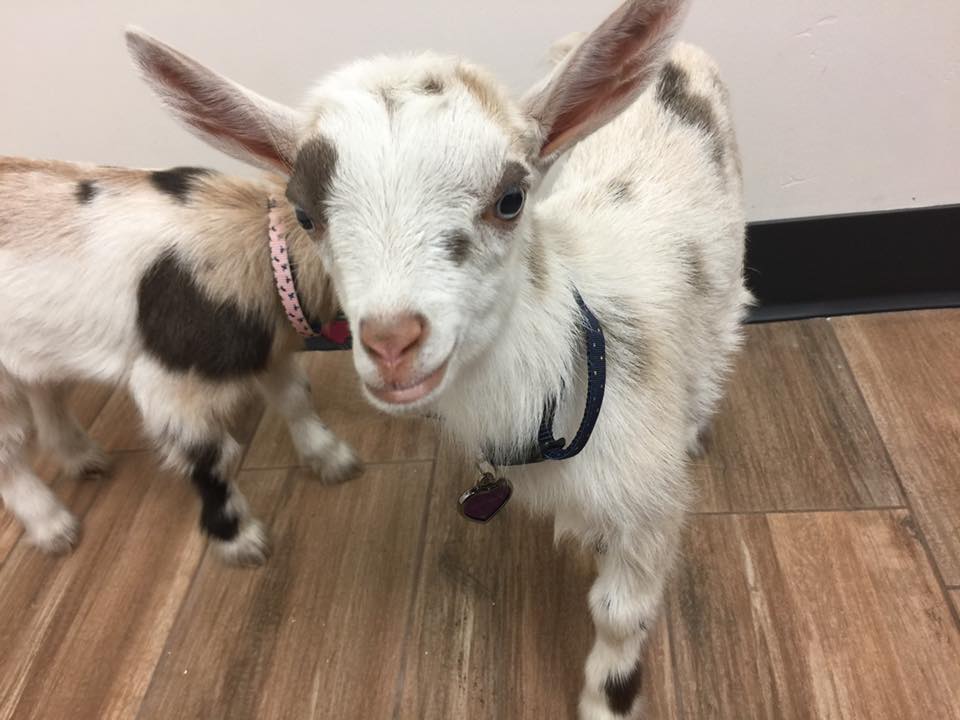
(224, 114)
(603, 74)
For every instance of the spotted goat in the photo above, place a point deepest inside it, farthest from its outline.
(163, 281)
(416, 178)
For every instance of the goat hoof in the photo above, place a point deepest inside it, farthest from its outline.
(250, 547)
(336, 466)
(56, 534)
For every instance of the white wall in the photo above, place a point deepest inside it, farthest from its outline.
(842, 105)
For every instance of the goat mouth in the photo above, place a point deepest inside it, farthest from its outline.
(406, 394)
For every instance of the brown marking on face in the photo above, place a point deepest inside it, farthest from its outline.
(486, 93)
(457, 245)
(313, 174)
(696, 110)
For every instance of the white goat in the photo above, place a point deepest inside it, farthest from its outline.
(161, 280)
(412, 174)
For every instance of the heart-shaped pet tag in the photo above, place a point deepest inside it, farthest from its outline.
(484, 500)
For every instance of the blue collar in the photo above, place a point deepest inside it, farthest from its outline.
(491, 493)
(551, 448)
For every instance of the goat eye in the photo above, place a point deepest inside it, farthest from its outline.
(510, 204)
(305, 222)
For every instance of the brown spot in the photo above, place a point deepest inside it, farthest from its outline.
(312, 177)
(625, 348)
(86, 191)
(177, 182)
(432, 86)
(485, 93)
(696, 271)
(622, 690)
(696, 110)
(537, 263)
(619, 190)
(185, 329)
(457, 245)
(390, 101)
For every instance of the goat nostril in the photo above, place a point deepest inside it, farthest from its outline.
(390, 339)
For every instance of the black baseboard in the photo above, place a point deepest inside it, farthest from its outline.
(859, 263)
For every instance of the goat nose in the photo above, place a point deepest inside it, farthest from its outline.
(389, 340)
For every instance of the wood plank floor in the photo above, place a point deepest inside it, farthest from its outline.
(820, 577)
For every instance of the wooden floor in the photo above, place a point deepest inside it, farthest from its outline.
(820, 577)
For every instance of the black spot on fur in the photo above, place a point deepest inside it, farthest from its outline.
(673, 93)
(619, 190)
(313, 174)
(622, 690)
(186, 330)
(177, 182)
(432, 86)
(86, 191)
(457, 245)
(214, 493)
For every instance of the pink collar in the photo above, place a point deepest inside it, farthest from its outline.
(337, 331)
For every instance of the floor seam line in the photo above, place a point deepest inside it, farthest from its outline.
(921, 536)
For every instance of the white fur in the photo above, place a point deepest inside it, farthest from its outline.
(509, 346)
(660, 263)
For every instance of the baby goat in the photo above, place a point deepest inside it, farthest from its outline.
(163, 281)
(412, 175)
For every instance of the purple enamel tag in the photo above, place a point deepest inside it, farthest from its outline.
(484, 500)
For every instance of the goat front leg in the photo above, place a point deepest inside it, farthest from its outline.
(625, 602)
(286, 388)
(59, 431)
(188, 418)
(48, 524)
